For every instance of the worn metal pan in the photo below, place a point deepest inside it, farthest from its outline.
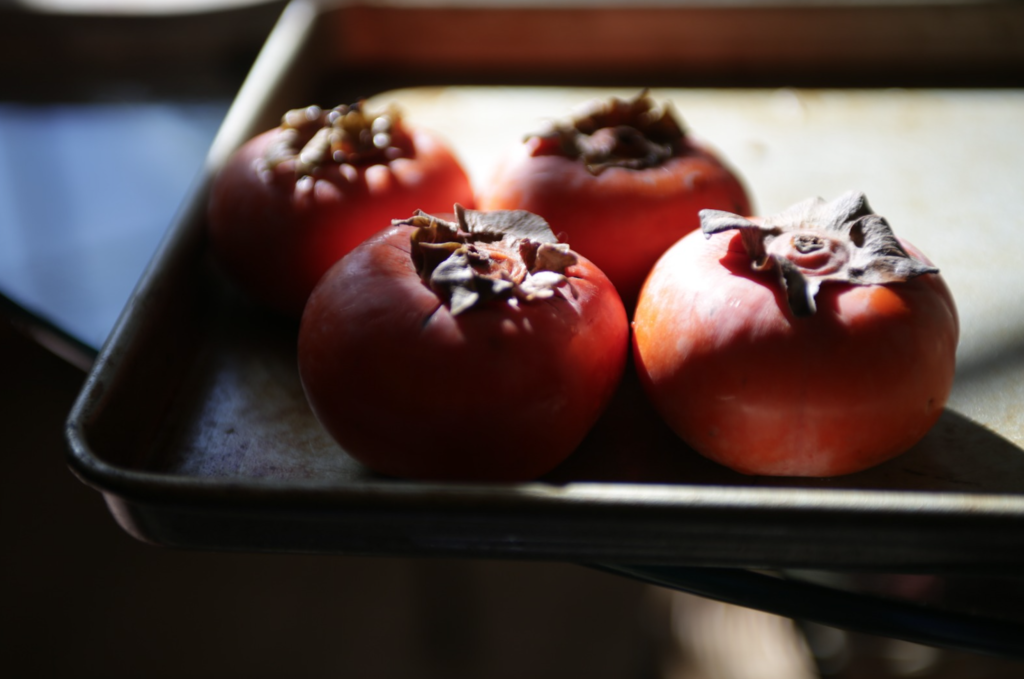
(193, 425)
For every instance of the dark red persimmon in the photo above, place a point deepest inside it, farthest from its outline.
(475, 349)
(811, 343)
(294, 200)
(622, 182)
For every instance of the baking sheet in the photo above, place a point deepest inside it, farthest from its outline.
(193, 424)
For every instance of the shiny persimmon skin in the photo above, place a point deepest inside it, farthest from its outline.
(621, 219)
(748, 385)
(275, 234)
(497, 393)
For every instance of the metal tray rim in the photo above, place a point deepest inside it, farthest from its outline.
(134, 484)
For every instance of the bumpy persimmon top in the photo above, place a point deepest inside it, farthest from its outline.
(634, 134)
(814, 242)
(482, 256)
(345, 134)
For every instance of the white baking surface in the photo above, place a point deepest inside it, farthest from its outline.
(945, 167)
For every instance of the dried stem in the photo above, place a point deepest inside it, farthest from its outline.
(814, 242)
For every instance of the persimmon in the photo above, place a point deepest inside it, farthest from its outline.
(295, 199)
(810, 343)
(621, 180)
(474, 348)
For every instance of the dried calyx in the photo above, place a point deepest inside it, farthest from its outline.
(344, 135)
(634, 134)
(483, 256)
(815, 242)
